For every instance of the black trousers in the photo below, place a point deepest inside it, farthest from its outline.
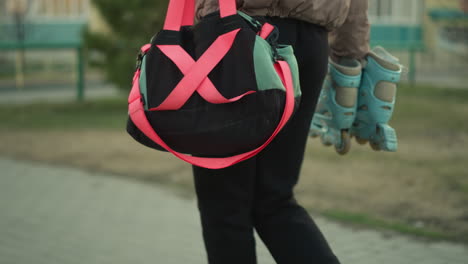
(258, 193)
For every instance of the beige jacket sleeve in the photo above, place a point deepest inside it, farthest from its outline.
(351, 40)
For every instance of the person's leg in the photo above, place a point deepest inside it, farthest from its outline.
(285, 227)
(225, 201)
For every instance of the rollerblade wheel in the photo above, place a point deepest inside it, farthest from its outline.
(345, 143)
(361, 141)
(313, 135)
(375, 146)
(325, 141)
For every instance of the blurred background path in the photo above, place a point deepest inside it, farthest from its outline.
(53, 92)
(55, 215)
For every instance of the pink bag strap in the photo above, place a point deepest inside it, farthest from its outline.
(266, 30)
(189, 13)
(182, 12)
(196, 73)
(137, 115)
(187, 65)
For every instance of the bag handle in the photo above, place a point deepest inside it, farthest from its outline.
(137, 115)
(182, 12)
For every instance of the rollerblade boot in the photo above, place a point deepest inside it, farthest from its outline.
(337, 104)
(376, 101)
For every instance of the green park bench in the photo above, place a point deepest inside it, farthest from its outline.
(447, 14)
(48, 36)
(407, 38)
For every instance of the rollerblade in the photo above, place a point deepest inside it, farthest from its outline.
(337, 105)
(376, 101)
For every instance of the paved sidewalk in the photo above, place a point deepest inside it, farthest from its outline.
(55, 215)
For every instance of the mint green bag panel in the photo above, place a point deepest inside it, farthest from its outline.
(267, 78)
(143, 87)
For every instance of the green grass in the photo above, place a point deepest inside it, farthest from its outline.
(377, 223)
(444, 93)
(418, 108)
(436, 109)
(96, 114)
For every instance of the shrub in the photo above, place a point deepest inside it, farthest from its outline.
(132, 24)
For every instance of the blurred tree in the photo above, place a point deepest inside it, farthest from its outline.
(132, 24)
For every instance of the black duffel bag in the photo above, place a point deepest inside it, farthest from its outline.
(221, 89)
